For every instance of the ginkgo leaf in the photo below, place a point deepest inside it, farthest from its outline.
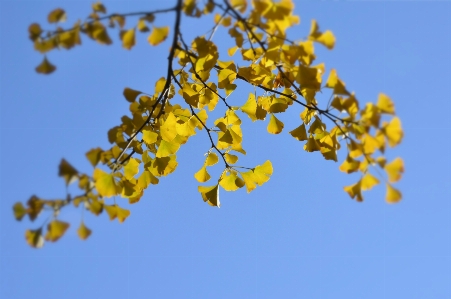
(326, 38)
(149, 137)
(275, 126)
(299, 133)
(385, 104)
(142, 26)
(249, 180)
(230, 181)
(393, 195)
(122, 214)
(210, 194)
(45, 67)
(105, 183)
(336, 84)
(167, 148)
(98, 7)
(19, 211)
(394, 170)
(355, 191)
(94, 156)
(34, 238)
(57, 15)
(202, 175)
(250, 107)
(147, 178)
(158, 35)
(168, 129)
(34, 31)
(368, 181)
(83, 231)
(350, 165)
(393, 132)
(96, 207)
(56, 230)
(263, 172)
(128, 39)
(131, 168)
(211, 160)
(67, 171)
(131, 94)
(111, 211)
(231, 159)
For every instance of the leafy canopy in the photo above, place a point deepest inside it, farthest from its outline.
(200, 79)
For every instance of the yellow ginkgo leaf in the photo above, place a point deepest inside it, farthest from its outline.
(19, 211)
(355, 191)
(122, 214)
(336, 84)
(263, 172)
(211, 160)
(128, 39)
(167, 148)
(393, 195)
(326, 38)
(57, 15)
(56, 230)
(249, 180)
(105, 183)
(168, 130)
(385, 104)
(275, 126)
(210, 194)
(142, 26)
(202, 175)
(147, 178)
(230, 181)
(111, 211)
(299, 133)
(94, 156)
(368, 181)
(67, 171)
(394, 170)
(131, 94)
(83, 231)
(98, 7)
(393, 132)
(350, 165)
(231, 159)
(149, 137)
(158, 35)
(131, 168)
(45, 67)
(34, 238)
(250, 107)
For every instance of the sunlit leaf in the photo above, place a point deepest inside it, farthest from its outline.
(56, 230)
(83, 231)
(211, 160)
(210, 195)
(393, 195)
(385, 104)
(167, 148)
(105, 183)
(326, 38)
(202, 175)
(394, 170)
(350, 165)
(355, 191)
(230, 181)
(19, 211)
(128, 39)
(158, 35)
(393, 132)
(275, 126)
(131, 168)
(368, 181)
(94, 155)
(98, 7)
(299, 133)
(131, 94)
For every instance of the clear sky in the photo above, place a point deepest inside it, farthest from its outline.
(298, 236)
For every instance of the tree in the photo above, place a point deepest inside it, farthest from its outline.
(280, 71)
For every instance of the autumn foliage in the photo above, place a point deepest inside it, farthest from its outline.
(199, 79)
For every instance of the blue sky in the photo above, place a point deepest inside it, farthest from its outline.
(298, 236)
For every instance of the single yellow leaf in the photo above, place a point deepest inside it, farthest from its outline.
(368, 181)
(19, 211)
(249, 180)
(350, 165)
(67, 171)
(160, 84)
(105, 183)
(393, 195)
(168, 130)
(57, 15)
(393, 132)
(83, 231)
(149, 137)
(211, 160)
(167, 148)
(230, 181)
(275, 126)
(131, 168)
(202, 175)
(147, 178)
(56, 230)
(131, 94)
(299, 133)
(98, 7)
(94, 156)
(210, 194)
(336, 84)
(394, 170)
(158, 35)
(34, 238)
(250, 107)
(355, 191)
(385, 104)
(34, 31)
(128, 39)
(122, 214)
(231, 159)
(111, 211)
(263, 172)
(142, 26)
(45, 67)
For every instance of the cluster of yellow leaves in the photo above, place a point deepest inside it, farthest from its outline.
(145, 145)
